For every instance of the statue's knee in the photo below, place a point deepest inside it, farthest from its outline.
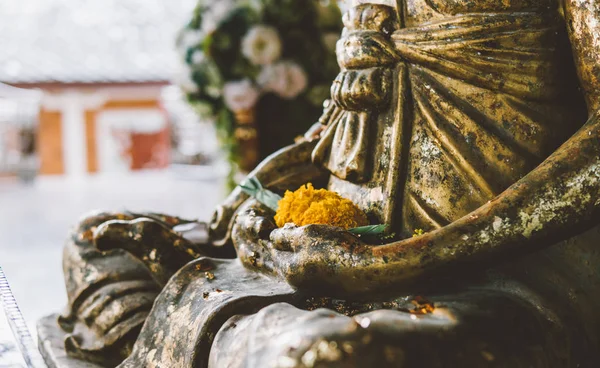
(294, 337)
(86, 268)
(473, 329)
(79, 251)
(109, 294)
(507, 332)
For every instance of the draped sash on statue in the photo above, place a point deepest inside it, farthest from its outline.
(347, 138)
(484, 109)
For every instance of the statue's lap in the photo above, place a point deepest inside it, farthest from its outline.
(517, 315)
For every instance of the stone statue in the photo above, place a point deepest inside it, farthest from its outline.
(462, 118)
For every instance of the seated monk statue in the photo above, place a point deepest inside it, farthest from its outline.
(473, 125)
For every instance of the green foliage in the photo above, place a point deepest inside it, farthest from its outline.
(214, 57)
(369, 230)
(254, 188)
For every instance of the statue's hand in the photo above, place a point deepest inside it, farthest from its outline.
(317, 257)
(250, 235)
(311, 256)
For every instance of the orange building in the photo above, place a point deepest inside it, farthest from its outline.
(102, 128)
(101, 67)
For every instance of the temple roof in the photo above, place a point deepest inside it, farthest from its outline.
(90, 41)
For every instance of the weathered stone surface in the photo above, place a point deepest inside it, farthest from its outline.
(192, 307)
(460, 118)
(51, 341)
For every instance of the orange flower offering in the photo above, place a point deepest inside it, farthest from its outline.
(308, 205)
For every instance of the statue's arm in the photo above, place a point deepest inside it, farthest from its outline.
(558, 199)
(109, 295)
(555, 201)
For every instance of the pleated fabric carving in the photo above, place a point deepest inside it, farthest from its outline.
(484, 106)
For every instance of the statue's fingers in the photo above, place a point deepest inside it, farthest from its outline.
(165, 220)
(144, 238)
(282, 260)
(245, 221)
(158, 247)
(320, 231)
(283, 239)
(292, 238)
(263, 227)
(255, 227)
(116, 234)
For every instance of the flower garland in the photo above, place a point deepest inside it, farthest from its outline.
(260, 69)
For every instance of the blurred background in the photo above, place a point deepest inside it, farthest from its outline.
(91, 118)
(86, 89)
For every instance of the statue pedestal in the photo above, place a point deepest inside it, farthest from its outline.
(52, 346)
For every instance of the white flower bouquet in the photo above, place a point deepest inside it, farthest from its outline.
(264, 66)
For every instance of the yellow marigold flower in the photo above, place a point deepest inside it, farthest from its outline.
(308, 205)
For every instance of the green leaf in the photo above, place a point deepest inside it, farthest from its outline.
(254, 188)
(369, 230)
